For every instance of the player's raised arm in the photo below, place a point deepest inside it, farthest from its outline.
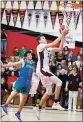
(12, 64)
(62, 36)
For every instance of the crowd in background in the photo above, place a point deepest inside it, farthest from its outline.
(61, 64)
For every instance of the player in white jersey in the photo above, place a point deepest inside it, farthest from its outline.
(43, 71)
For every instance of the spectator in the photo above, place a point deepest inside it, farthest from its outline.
(11, 79)
(80, 53)
(64, 65)
(4, 88)
(64, 78)
(78, 62)
(60, 67)
(81, 71)
(4, 42)
(66, 51)
(22, 51)
(73, 57)
(60, 56)
(70, 70)
(74, 64)
(3, 73)
(52, 64)
(15, 52)
(72, 85)
(69, 61)
(3, 59)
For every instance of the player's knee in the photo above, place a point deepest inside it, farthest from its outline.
(49, 92)
(59, 83)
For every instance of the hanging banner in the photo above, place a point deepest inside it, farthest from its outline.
(76, 15)
(34, 3)
(53, 15)
(19, 3)
(49, 3)
(65, 3)
(2, 10)
(60, 17)
(58, 4)
(27, 2)
(37, 16)
(8, 15)
(42, 4)
(22, 15)
(12, 2)
(4, 2)
(15, 15)
(45, 15)
(68, 15)
(30, 13)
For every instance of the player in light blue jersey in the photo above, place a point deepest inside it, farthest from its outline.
(23, 83)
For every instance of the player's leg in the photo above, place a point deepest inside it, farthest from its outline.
(21, 105)
(58, 83)
(43, 100)
(24, 94)
(13, 94)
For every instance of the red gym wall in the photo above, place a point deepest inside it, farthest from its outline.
(16, 39)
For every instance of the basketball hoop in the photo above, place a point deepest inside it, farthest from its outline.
(70, 6)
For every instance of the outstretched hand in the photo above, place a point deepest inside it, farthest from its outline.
(64, 30)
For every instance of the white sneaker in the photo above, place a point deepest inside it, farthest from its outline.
(69, 109)
(37, 112)
(57, 106)
(74, 108)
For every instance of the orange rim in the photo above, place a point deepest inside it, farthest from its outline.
(72, 5)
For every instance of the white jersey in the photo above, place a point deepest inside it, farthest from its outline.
(43, 59)
(43, 70)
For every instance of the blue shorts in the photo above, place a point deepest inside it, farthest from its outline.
(22, 86)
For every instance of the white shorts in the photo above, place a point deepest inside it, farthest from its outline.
(47, 81)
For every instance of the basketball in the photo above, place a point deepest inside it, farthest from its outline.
(62, 28)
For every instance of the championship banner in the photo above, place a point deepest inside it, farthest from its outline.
(37, 16)
(5, 2)
(70, 40)
(19, 3)
(42, 3)
(27, 2)
(12, 2)
(49, 3)
(30, 13)
(15, 15)
(53, 15)
(58, 4)
(34, 3)
(22, 15)
(8, 15)
(76, 15)
(68, 15)
(60, 17)
(2, 10)
(45, 15)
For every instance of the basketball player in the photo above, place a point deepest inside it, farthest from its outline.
(23, 83)
(47, 78)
